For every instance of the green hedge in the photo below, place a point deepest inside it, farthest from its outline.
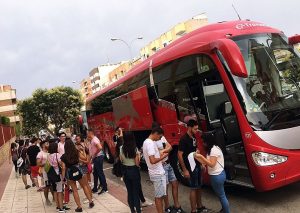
(4, 120)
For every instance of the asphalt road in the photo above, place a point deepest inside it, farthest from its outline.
(286, 199)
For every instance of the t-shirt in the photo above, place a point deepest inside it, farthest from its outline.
(68, 165)
(61, 148)
(42, 156)
(127, 161)
(160, 145)
(32, 152)
(187, 145)
(149, 149)
(93, 147)
(54, 160)
(217, 169)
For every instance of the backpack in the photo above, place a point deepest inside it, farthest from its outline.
(74, 173)
(53, 177)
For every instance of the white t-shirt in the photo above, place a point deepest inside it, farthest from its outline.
(61, 148)
(217, 169)
(149, 149)
(160, 145)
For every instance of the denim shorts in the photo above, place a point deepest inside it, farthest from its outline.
(196, 178)
(169, 172)
(83, 168)
(160, 185)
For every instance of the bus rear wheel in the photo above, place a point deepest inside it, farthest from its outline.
(177, 168)
(108, 156)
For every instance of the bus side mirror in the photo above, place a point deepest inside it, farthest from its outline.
(233, 56)
(294, 39)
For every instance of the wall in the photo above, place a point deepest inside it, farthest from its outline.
(7, 135)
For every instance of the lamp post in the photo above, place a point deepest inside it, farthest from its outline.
(128, 45)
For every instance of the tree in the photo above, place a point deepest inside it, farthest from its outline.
(59, 107)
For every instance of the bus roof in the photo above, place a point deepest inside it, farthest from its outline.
(190, 44)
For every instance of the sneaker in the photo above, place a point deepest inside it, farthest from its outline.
(94, 191)
(203, 209)
(85, 200)
(61, 210)
(179, 210)
(78, 209)
(146, 203)
(40, 190)
(91, 205)
(33, 185)
(27, 187)
(102, 192)
(169, 209)
(66, 208)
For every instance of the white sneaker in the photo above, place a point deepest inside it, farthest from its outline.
(146, 203)
(85, 200)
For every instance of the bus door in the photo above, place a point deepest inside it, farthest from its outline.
(222, 119)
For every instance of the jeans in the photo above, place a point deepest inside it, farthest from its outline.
(99, 173)
(217, 183)
(133, 182)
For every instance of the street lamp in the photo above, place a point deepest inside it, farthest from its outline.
(128, 45)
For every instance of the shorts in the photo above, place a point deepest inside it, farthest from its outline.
(169, 172)
(57, 187)
(196, 178)
(24, 169)
(160, 185)
(34, 171)
(84, 169)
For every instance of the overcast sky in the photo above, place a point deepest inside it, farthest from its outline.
(47, 43)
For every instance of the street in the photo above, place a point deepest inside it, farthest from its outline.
(286, 199)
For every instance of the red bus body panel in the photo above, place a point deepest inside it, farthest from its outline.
(132, 111)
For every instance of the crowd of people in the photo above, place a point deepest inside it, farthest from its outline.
(64, 164)
(156, 151)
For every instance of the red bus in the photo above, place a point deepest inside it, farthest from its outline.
(239, 78)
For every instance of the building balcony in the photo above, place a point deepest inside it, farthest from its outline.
(8, 108)
(14, 119)
(8, 95)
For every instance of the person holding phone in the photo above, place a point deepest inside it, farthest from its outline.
(187, 145)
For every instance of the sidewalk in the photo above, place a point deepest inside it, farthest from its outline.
(16, 199)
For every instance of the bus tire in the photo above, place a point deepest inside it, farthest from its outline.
(177, 168)
(107, 154)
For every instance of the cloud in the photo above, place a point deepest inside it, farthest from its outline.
(52, 42)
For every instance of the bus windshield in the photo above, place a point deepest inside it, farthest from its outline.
(270, 93)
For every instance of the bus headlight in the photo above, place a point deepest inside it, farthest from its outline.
(266, 159)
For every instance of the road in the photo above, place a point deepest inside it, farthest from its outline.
(286, 199)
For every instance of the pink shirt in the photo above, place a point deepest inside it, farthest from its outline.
(93, 147)
(61, 148)
(54, 159)
(42, 156)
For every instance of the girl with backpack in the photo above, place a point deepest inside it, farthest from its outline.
(84, 160)
(73, 173)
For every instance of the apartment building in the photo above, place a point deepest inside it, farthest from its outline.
(174, 33)
(8, 104)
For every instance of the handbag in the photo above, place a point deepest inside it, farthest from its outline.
(118, 169)
(53, 177)
(20, 160)
(74, 173)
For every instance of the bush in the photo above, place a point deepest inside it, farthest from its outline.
(4, 120)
